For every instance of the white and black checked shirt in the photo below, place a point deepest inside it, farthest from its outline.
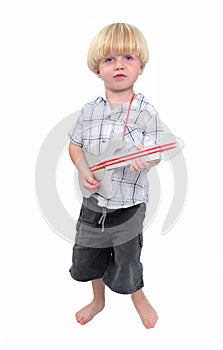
(97, 124)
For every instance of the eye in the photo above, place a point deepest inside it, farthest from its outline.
(108, 59)
(129, 58)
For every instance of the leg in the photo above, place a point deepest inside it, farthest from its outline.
(145, 310)
(86, 314)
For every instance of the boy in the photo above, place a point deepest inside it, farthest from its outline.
(109, 230)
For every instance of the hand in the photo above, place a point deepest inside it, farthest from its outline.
(139, 164)
(89, 182)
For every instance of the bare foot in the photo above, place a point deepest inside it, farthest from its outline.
(88, 312)
(145, 310)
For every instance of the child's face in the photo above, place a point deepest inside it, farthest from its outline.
(119, 72)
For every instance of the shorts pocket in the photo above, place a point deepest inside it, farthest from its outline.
(78, 225)
(141, 240)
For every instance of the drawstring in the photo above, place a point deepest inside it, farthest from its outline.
(102, 219)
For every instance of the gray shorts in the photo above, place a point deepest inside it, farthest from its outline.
(111, 252)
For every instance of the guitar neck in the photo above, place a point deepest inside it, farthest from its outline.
(149, 154)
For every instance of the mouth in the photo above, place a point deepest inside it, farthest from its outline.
(119, 76)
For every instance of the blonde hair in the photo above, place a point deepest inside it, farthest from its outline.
(119, 38)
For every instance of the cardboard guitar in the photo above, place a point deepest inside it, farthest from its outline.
(113, 157)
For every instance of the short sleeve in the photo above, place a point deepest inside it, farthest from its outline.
(152, 132)
(76, 132)
(152, 126)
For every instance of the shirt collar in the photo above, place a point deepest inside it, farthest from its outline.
(138, 102)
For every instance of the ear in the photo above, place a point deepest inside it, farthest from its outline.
(98, 74)
(141, 69)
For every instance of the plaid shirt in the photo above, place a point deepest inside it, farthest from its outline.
(97, 124)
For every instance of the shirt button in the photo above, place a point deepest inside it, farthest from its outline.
(103, 140)
(108, 117)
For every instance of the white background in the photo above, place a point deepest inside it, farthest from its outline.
(43, 79)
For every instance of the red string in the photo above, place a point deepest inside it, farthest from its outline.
(138, 154)
(127, 117)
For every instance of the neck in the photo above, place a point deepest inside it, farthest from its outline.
(118, 98)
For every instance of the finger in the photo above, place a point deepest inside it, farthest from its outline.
(90, 183)
(145, 164)
(91, 188)
(139, 164)
(140, 146)
(135, 166)
(91, 179)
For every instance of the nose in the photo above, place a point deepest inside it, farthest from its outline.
(118, 63)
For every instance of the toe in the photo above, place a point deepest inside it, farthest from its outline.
(83, 321)
(149, 325)
(78, 317)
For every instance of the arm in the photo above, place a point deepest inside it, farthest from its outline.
(87, 177)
